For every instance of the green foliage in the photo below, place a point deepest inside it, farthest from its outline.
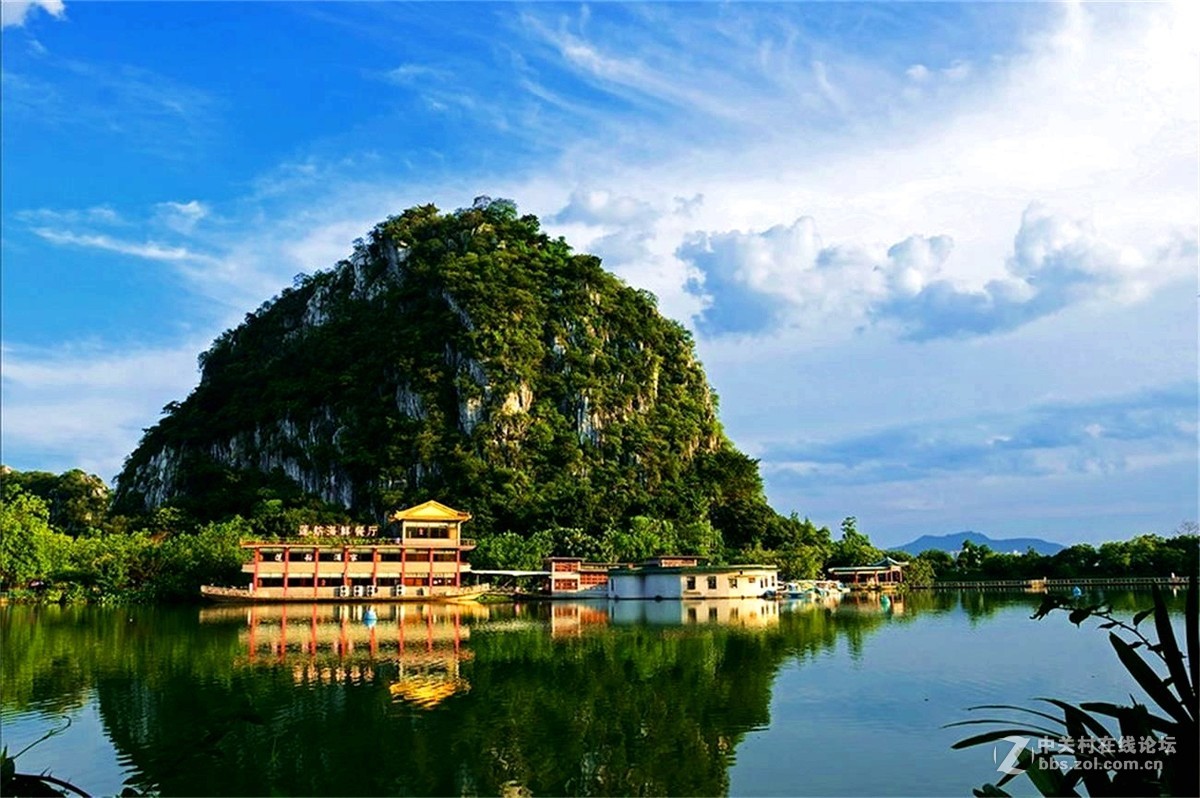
(919, 573)
(510, 551)
(76, 501)
(111, 566)
(28, 546)
(1172, 686)
(467, 357)
(854, 548)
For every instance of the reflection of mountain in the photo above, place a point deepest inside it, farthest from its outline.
(557, 698)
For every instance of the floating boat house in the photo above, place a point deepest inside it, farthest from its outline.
(885, 573)
(425, 561)
(691, 578)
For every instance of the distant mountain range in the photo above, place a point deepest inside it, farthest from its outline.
(954, 542)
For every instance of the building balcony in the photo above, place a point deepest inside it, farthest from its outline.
(334, 570)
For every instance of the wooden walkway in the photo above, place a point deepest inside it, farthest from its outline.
(1044, 585)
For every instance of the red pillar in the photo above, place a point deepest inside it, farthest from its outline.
(430, 570)
(257, 560)
(374, 566)
(316, 568)
(458, 567)
(287, 553)
(345, 566)
(403, 560)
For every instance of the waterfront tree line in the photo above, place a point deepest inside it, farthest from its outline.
(60, 539)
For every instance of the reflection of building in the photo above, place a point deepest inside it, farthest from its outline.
(425, 561)
(754, 612)
(417, 649)
(690, 578)
(885, 573)
(569, 619)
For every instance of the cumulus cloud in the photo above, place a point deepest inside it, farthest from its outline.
(15, 13)
(1056, 261)
(603, 207)
(756, 282)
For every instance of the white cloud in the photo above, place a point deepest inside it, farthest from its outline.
(99, 214)
(149, 250)
(602, 207)
(85, 406)
(182, 217)
(786, 276)
(412, 74)
(918, 73)
(15, 13)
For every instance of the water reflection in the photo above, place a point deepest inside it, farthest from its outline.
(583, 698)
(334, 644)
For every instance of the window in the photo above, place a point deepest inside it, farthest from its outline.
(691, 583)
(712, 613)
(712, 583)
(733, 581)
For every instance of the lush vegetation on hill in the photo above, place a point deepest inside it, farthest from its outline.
(466, 357)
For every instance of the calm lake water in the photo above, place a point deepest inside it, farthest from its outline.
(635, 698)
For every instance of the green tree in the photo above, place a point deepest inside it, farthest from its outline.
(77, 501)
(919, 573)
(854, 548)
(27, 543)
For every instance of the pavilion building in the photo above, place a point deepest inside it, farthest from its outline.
(876, 576)
(426, 560)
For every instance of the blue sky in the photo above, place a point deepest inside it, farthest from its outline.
(940, 259)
